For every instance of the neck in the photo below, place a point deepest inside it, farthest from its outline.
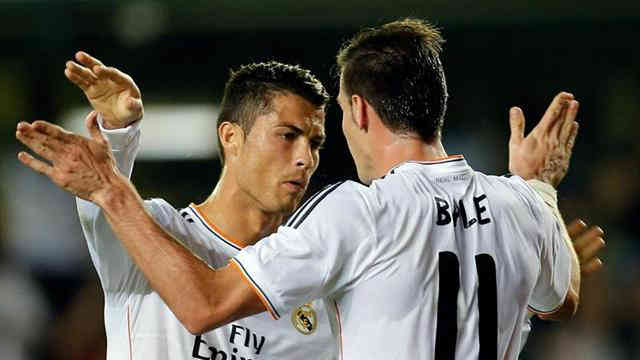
(236, 215)
(393, 149)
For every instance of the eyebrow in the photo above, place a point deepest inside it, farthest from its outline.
(292, 127)
(321, 138)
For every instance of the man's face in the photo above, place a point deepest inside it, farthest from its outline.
(280, 153)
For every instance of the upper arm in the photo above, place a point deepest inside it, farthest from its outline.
(552, 295)
(114, 266)
(109, 258)
(561, 270)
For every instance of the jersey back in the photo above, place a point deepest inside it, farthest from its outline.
(433, 261)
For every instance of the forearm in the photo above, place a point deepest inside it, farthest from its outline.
(548, 195)
(183, 281)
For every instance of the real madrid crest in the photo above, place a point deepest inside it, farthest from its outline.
(304, 319)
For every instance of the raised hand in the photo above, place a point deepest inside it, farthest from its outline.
(109, 91)
(587, 242)
(546, 152)
(82, 166)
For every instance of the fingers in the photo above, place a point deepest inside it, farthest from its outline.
(80, 71)
(587, 245)
(576, 228)
(87, 60)
(37, 165)
(589, 250)
(516, 123)
(118, 77)
(567, 123)
(554, 112)
(591, 267)
(571, 140)
(27, 135)
(591, 235)
(77, 79)
(555, 129)
(589, 253)
(50, 129)
(45, 139)
(111, 73)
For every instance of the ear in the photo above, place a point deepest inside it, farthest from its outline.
(360, 112)
(231, 139)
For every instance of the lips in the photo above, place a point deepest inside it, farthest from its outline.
(297, 184)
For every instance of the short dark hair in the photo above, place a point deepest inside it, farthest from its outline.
(250, 89)
(397, 69)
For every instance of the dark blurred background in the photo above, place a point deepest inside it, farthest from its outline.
(498, 54)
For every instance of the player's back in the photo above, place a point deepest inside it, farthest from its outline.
(433, 261)
(457, 258)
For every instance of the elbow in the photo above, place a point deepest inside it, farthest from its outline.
(572, 303)
(195, 323)
(567, 310)
(194, 327)
(200, 321)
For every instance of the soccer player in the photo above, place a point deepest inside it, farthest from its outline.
(411, 262)
(271, 129)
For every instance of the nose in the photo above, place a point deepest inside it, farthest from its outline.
(305, 157)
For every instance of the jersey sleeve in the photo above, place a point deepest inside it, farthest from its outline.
(125, 144)
(324, 248)
(112, 263)
(554, 277)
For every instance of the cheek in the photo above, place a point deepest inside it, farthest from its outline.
(344, 123)
(316, 158)
(345, 131)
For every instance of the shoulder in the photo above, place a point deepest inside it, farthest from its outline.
(333, 202)
(161, 211)
(515, 190)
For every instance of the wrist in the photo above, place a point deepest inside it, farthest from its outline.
(107, 123)
(546, 191)
(119, 195)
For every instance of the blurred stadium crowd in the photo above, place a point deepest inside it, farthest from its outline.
(498, 54)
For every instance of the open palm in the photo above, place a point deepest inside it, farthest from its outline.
(109, 91)
(545, 153)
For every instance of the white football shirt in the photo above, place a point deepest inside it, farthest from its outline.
(433, 261)
(138, 323)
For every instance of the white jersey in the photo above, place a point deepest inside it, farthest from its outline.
(433, 261)
(138, 323)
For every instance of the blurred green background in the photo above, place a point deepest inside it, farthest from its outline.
(498, 54)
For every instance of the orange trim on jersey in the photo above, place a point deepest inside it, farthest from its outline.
(217, 229)
(129, 330)
(450, 157)
(263, 300)
(339, 328)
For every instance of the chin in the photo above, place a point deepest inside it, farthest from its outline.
(364, 178)
(283, 208)
(287, 209)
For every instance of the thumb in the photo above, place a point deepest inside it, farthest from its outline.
(91, 122)
(135, 105)
(516, 122)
